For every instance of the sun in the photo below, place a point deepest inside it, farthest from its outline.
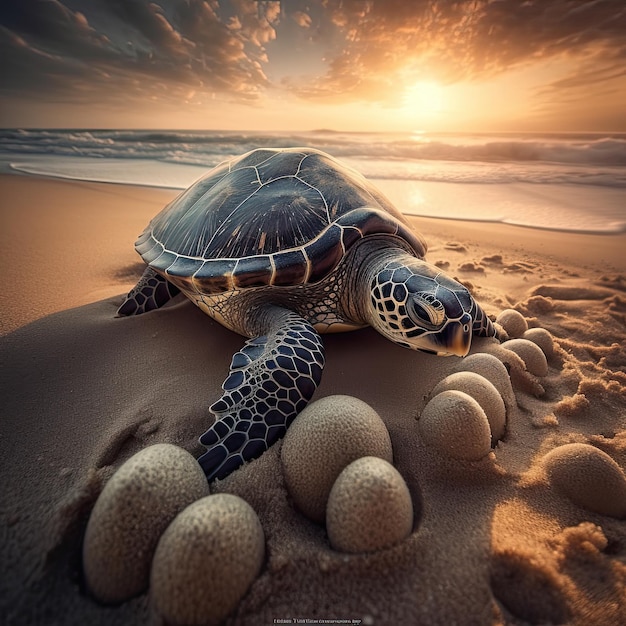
(424, 98)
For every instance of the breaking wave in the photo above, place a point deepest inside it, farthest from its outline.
(590, 159)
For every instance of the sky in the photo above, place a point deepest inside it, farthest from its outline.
(350, 65)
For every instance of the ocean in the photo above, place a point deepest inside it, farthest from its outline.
(573, 182)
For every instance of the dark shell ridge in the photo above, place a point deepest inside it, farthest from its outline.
(271, 217)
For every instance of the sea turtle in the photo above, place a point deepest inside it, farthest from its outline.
(280, 245)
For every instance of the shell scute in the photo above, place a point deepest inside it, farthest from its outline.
(166, 259)
(291, 212)
(184, 266)
(253, 272)
(273, 169)
(254, 158)
(338, 183)
(215, 276)
(152, 252)
(292, 268)
(350, 235)
(325, 253)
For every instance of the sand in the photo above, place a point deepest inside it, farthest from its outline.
(495, 541)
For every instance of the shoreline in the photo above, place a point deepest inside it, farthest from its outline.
(77, 247)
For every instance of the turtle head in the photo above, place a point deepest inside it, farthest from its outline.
(418, 306)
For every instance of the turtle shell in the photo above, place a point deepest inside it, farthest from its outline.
(270, 217)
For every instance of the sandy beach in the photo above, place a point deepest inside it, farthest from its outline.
(529, 534)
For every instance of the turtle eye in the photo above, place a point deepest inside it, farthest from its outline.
(426, 311)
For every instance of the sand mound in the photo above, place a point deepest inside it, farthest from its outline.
(588, 477)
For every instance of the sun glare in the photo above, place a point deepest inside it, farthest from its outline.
(424, 98)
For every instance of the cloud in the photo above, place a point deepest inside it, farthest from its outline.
(391, 42)
(302, 19)
(121, 49)
(169, 50)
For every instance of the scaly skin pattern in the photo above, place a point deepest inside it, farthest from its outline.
(272, 378)
(151, 292)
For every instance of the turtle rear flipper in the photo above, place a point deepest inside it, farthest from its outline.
(151, 292)
(272, 378)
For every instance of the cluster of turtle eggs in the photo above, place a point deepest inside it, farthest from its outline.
(337, 462)
(466, 414)
(155, 524)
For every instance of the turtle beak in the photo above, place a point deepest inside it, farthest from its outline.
(456, 338)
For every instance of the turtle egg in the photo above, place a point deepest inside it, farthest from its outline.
(542, 338)
(589, 477)
(455, 424)
(133, 510)
(530, 353)
(206, 560)
(513, 322)
(487, 396)
(326, 437)
(494, 371)
(369, 507)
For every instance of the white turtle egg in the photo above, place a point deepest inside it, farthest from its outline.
(326, 437)
(513, 322)
(542, 338)
(484, 392)
(455, 424)
(530, 353)
(369, 507)
(133, 510)
(589, 477)
(206, 561)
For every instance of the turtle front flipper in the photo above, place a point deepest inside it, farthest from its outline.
(151, 292)
(271, 380)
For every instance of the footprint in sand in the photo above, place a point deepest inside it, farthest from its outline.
(519, 267)
(454, 246)
(471, 266)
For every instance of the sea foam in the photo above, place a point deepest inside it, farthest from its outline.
(560, 181)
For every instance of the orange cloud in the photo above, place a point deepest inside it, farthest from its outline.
(389, 42)
(122, 51)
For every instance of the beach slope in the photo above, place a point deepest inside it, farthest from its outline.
(516, 537)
